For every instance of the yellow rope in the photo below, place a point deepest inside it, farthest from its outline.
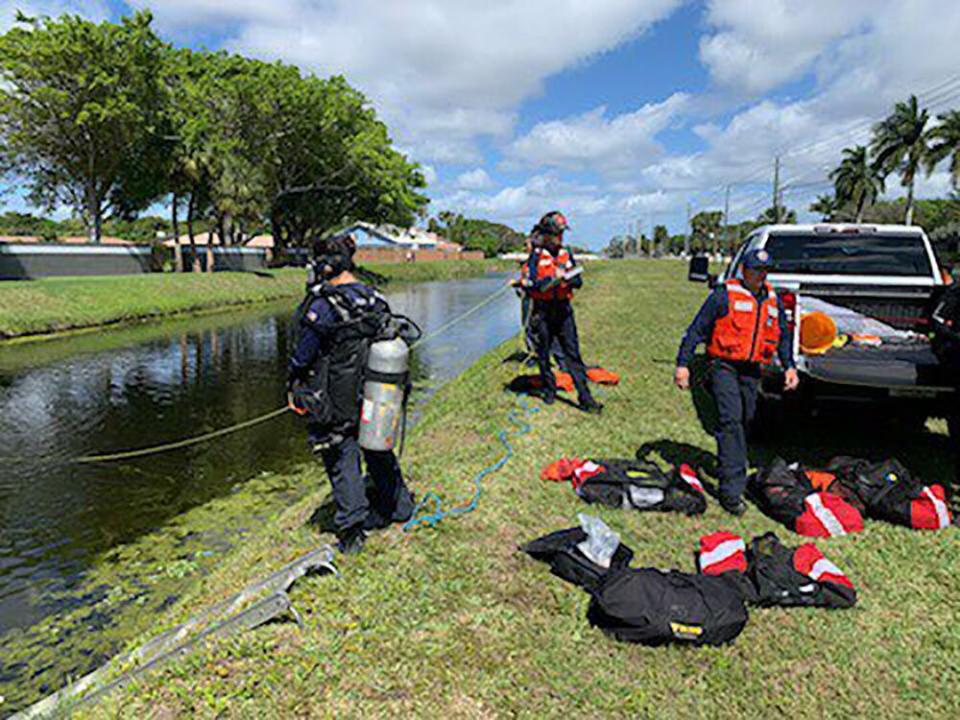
(143, 452)
(183, 443)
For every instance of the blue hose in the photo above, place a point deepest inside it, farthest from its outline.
(518, 417)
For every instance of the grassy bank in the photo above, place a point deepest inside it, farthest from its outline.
(51, 305)
(454, 622)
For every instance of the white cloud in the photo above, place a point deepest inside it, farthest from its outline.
(521, 205)
(759, 44)
(474, 180)
(593, 141)
(443, 72)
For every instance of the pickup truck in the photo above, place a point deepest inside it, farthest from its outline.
(884, 278)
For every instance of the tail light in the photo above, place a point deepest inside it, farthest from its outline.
(789, 300)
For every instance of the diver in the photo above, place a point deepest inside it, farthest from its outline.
(337, 322)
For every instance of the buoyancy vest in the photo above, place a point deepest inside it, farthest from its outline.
(785, 493)
(333, 389)
(550, 266)
(772, 574)
(632, 484)
(750, 331)
(890, 492)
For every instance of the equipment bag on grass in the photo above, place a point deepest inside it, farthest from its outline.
(771, 574)
(890, 492)
(631, 484)
(653, 607)
(786, 494)
(561, 550)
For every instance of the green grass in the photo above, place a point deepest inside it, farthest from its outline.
(454, 622)
(51, 305)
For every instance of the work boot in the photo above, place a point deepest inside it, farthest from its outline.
(350, 541)
(734, 506)
(591, 406)
(549, 398)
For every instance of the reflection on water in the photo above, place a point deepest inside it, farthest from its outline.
(141, 387)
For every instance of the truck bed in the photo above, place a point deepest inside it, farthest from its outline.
(910, 364)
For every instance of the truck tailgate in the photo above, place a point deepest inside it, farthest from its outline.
(907, 365)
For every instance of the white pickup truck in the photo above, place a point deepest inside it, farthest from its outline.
(881, 280)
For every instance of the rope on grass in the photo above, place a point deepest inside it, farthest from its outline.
(517, 416)
(206, 437)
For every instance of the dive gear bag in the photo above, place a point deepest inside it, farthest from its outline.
(654, 607)
(772, 574)
(787, 494)
(631, 484)
(890, 492)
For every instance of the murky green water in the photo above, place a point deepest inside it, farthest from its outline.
(68, 531)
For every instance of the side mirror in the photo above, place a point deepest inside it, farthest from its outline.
(699, 270)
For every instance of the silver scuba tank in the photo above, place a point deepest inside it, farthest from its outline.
(384, 392)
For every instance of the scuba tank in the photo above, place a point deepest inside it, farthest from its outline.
(385, 391)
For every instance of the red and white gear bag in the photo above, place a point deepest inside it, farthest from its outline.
(722, 552)
(827, 515)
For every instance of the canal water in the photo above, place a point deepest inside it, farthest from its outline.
(138, 387)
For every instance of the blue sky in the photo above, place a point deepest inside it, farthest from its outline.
(622, 113)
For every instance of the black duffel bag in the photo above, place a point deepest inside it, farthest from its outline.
(653, 607)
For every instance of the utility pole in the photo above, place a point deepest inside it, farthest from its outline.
(686, 240)
(776, 190)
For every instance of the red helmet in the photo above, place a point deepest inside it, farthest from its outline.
(553, 223)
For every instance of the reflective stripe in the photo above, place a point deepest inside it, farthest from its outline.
(824, 566)
(943, 516)
(691, 478)
(743, 306)
(723, 551)
(826, 517)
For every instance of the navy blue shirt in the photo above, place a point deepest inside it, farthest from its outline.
(716, 306)
(317, 323)
(535, 282)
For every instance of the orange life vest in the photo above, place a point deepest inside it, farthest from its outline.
(549, 266)
(750, 331)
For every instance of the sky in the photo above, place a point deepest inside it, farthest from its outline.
(621, 113)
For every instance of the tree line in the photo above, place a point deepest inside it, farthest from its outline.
(906, 143)
(108, 120)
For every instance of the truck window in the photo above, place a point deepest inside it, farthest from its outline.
(850, 254)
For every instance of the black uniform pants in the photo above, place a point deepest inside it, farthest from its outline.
(734, 387)
(530, 336)
(552, 321)
(388, 499)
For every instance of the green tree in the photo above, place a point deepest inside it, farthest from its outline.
(661, 240)
(769, 216)
(856, 180)
(474, 234)
(706, 230)
(900, 145)
(945, 143)
(80, 107)
(614, 248)
(827, 206)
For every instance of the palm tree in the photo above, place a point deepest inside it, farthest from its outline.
(900, 145)
(827, 206)
(856, 180)
(945, 143)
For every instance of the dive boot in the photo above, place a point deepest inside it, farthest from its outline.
(351, 541)
(735, 507)
(591, 407)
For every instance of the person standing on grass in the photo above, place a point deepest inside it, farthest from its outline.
(337, 322)
(551, 285)
(744, 325)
